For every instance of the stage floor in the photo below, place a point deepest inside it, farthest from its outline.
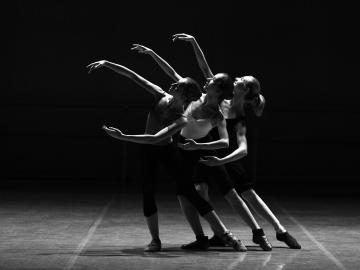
(107, 231)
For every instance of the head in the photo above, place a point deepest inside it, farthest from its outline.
(247, 89)
(186, 89)
(221, 85)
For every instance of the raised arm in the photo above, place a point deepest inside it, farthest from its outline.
(200, 57)
(169, 70)
(148, 138)
(147, 85)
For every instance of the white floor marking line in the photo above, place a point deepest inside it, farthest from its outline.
(87, 238)
(312, 238)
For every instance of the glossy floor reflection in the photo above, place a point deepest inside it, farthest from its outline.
(106, 231)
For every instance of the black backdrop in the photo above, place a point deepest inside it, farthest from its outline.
(54, 110)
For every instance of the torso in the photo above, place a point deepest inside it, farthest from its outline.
(201, 119)
(162, 115)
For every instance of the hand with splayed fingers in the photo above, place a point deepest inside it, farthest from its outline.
(95, 65)
(183, 36)
(189, 145)
(113, 132)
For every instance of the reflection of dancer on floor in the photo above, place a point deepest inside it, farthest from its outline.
(164, 120)
(246, 95)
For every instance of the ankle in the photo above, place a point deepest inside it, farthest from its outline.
(156, 239)
(280, 230)
(201, 237)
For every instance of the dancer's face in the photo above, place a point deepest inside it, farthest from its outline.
(241, 90)
(211, 85)
(175, 87)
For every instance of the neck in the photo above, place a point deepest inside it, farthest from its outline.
(211, 101)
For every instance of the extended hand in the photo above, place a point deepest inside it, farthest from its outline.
(96, 65)
(182, 36)
(210, 161)
(113, 132)
(189, 145)
(141, 49)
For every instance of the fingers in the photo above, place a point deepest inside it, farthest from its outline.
(136, 47)
(113, 129)
(180, 145)
(190, 141)
(140, 48)
(90, 67)
(93, 66)
(181, 36)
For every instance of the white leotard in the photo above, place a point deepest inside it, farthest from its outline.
(195, 128)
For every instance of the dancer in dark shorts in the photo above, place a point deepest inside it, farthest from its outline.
(246, 95)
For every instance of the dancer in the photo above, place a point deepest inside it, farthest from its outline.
(202, 116)
(246, 95)
(164, 120)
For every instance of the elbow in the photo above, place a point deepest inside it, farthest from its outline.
(241, 154)
(225, 143)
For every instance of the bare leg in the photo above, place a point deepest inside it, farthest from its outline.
(192, 217)
(262, 209)
(241, 208)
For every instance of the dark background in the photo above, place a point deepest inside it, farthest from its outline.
(307, 140)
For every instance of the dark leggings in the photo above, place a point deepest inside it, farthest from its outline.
(170, 157)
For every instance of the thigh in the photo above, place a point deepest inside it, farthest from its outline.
(216, 177)
(239, 176)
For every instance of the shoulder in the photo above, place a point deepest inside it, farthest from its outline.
(164, 99)
(161, 96)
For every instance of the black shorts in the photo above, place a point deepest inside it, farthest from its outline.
(170, 157)
(216, 176)
(240, 176)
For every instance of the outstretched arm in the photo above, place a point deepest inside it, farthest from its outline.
(200, 57)
(147, 85)
(169, 70)
(148, 138)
